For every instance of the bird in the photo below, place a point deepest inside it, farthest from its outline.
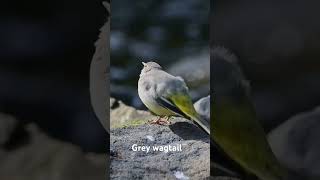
(100, 74)
(167, 95)
(236, 128)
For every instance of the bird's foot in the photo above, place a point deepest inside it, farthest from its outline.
(161, 121)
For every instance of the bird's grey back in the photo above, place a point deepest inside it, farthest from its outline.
(163, 82)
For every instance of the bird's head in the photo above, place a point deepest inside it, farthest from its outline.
(149, 66)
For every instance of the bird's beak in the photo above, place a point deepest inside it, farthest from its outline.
(144, 64)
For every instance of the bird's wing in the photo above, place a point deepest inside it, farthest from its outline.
(169, 90)
(170, 106)
(173, 95)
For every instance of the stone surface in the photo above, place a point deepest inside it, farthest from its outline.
(193, 161)
(296, 143)
(202, 106)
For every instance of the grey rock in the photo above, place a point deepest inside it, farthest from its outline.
(296, 143)
(193, 161)
(202, 106)
(129, 126)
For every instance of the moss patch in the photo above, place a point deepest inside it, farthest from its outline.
(133, 122)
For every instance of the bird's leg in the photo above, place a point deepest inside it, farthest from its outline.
(161, 120)
(155, 120)
(165, 120)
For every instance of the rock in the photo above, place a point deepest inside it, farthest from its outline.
(122, 115)
(296, 143)
(193, 161)
(129, 126)
(202, 106)
(41, 157)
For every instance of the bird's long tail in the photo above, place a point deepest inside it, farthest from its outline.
(203, 124)
(182, 105)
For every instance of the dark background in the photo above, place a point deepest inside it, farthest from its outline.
(278, 44)
(45, 52)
